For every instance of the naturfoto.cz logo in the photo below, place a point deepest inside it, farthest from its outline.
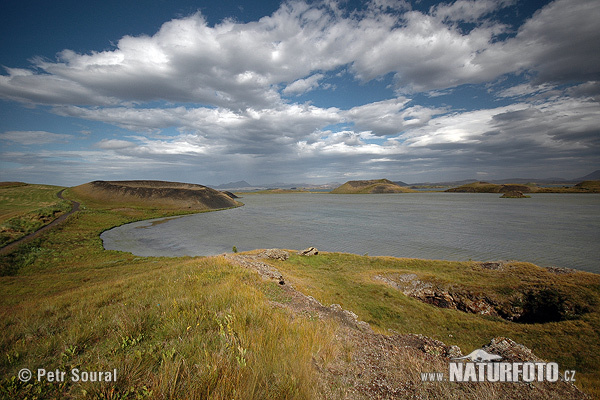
(485, 367)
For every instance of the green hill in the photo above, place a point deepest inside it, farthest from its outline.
(159, 194)
(485, 187)
(371, 187)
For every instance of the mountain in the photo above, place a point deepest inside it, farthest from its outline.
(400, 183)
(234, 185)
(594, 176)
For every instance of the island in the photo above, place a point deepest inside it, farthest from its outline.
(374, 186)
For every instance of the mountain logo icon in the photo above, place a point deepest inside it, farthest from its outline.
(480, 355)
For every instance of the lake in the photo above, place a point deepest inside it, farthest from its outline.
(560, 230)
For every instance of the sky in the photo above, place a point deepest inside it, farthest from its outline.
(311, 92)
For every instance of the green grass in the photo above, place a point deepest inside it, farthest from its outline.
(347, 280)
(26, 208)
(172, 327)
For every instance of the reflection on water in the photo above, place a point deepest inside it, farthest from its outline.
(547, 229)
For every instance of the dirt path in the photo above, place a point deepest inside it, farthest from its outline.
(11, 246)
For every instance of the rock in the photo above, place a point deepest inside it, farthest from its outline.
(454, 352)
(276, 254)
(510, 350)
(311, 251)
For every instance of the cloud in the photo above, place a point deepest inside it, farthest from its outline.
(221, 98)
(114, 144)
(241, 65)
(303, 85)
(389, 117)
(559, 43)
(29, 138)
(468, 10)
(525, 89)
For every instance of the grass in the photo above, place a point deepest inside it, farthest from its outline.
(202, 328)
(26, 208)
(172, 327)
(347, 280)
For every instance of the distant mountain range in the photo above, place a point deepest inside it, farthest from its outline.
(243, 185)
(234, 185)
(546, 181)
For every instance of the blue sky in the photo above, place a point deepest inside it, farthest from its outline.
(212, 92)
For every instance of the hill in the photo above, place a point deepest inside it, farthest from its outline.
(486, 187)
(234, 185)
(160, 194)
(591, 176)
(370, 187)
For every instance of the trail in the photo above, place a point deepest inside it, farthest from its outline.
(11, 246)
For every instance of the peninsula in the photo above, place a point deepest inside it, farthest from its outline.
(486, 187)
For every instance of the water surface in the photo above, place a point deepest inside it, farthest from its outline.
(547, 229)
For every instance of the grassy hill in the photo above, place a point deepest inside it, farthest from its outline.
(370, 187)
(212, 328)
(485, 187)
(158, 194)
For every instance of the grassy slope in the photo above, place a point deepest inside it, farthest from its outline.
(347, 280)
(26, 208)
(172, 327)
(202, 328)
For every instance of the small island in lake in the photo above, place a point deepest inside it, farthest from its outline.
(371, 187)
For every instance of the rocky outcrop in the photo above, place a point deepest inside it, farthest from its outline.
(524, 305)
(276, 254)
(511, 351)
(311, 251)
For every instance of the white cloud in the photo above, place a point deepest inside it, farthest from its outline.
(114, 144)
(303, 85)
(468, 10)
(390, 117)
(204, 98)
(240, 65)
(28, 138)
(525, 89)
